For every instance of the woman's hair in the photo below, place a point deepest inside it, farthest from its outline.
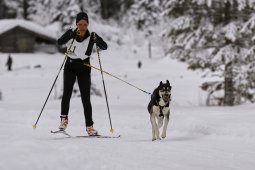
(82, 16)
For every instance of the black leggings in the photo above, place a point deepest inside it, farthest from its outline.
(75, 68)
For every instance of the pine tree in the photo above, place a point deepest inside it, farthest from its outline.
(45, 12)
(8, 9)
(144, 13)
(39, 11)
(217, 37)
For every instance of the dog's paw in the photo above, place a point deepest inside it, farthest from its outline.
(158, 138)
(163, 136)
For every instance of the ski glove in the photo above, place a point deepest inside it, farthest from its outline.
(99, 41)
(67, 36)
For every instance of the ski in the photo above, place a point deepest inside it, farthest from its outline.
(97, 136)
(62, 132)
(83, 136)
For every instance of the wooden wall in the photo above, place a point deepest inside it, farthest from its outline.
(18, 40)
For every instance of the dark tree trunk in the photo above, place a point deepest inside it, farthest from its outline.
(229, 97)
(2, 12)
(25, 8)
(109, 8)
(81, 5)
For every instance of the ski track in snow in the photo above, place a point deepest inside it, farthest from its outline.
(198, 137)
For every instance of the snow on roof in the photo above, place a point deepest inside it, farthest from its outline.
(7, 24)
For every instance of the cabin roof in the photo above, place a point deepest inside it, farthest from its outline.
(8, 24)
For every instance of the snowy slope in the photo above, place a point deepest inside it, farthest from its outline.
(198, 137)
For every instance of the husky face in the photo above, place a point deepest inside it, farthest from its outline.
(165, 91)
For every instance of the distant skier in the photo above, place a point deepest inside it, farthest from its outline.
(139, 64)
(9, 63)
(79, 43)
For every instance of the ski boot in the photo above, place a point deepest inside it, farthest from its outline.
(91, 131)
(63, 122)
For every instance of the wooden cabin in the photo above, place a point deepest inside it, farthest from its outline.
(25, 36)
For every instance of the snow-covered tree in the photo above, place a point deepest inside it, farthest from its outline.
(45, 12)
(8, 9)
(217, 37)
(144, 13)
(20, 7)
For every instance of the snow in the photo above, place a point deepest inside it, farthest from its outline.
(7, 24)
(231, 31)
(198, 137)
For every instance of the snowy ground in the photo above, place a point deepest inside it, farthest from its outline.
(198, 137)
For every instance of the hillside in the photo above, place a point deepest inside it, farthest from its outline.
(198, 137)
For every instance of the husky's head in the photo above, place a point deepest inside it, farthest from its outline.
(165, 91)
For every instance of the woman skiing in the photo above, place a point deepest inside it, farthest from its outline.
(79, 43)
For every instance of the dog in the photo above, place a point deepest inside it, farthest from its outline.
(159, 110)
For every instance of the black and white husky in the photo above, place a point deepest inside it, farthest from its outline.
(159, 109)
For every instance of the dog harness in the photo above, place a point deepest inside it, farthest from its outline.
(161, 108)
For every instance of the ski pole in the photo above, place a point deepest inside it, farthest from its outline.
(98, 55)
(88, 65)
(34, 125)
